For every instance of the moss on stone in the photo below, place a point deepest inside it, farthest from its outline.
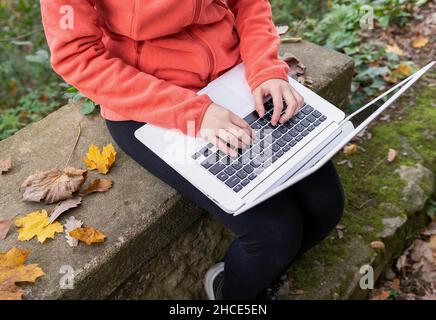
(371, 183)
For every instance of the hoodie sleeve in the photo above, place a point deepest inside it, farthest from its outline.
(259, 41)
(81, 59)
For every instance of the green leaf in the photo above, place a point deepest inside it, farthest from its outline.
(71, 90)
(88, 107)
(41, 56)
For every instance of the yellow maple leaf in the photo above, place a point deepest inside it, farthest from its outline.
(404, 69)
(350, 149)
(89, 235)
(101, 161)
(13, 270)
(37, 224)
(419, 42)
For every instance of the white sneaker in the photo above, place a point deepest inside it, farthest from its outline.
(214, 281)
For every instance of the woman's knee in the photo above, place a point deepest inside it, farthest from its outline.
(277, 240)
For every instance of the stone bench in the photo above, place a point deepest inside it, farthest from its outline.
(158, 244)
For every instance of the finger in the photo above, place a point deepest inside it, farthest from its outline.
(221, 145)
(278, 105)
(229, 138)
(258, 102)
(242, 124)
(242, 135)
(291, 103)
(298, 97)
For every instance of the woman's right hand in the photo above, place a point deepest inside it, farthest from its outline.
(222, 127)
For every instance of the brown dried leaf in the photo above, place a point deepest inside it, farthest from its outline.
(89, 235)
(421, 250)
(53, 185)
(64, 206)
(13, 270)
(430, 230)
(5, 225)
(432, 243)
(71, 224)
(377, 245)
(296, 68)
(402, 262)
(98, 185)
(380, 295)
(350, 149)
(392, 155)
(5, 165)
(396, 284)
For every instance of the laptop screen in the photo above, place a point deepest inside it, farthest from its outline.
(366, 114)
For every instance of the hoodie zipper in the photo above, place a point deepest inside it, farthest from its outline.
(210, 56)
(138, 47)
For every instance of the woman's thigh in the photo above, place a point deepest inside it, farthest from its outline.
(320, 198)
(269, 220)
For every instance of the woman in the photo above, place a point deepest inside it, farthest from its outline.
(144, 61)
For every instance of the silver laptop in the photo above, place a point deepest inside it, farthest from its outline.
(280, 155)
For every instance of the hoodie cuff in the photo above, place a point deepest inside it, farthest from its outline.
(206, 102)
(276, 72)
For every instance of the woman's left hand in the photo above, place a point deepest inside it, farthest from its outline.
(279, 90)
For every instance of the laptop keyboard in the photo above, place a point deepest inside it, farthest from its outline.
(269, 144)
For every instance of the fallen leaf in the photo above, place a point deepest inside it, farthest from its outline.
(282, 29)
(5, 165)
(419, 42)
(381, 295)
(404, 69)
(64, 206)
(392, 155)
(377, 245)
(89, 235)
(420, 250)
(430, 230)
(5, 225)
(13, 270)
(340, 229)
(98, 185)
(402, 262)
(396, 284)
(101, 161)
(71, 224)
(296, 68)
(37, 224)
(432, 243)
(391, 78)
(53, 185)
(350, 149)
(395, 49)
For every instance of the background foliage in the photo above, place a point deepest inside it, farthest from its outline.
(29, 89)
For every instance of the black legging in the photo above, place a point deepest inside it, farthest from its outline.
(268, 236)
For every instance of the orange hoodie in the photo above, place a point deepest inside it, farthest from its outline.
(145, 60)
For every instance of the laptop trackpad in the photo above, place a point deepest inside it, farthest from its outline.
(230, 99)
